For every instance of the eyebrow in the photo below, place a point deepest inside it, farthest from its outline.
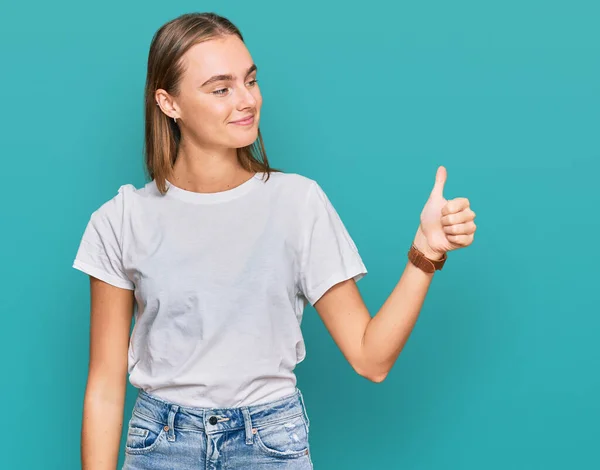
(218, 78)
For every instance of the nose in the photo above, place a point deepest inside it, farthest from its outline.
(245, 98)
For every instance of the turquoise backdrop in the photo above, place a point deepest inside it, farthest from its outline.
(502, 368)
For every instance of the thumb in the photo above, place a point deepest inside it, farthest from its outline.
(440, 180)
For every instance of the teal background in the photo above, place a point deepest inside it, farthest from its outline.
(502, 368)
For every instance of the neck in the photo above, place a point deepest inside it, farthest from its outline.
(208, 171)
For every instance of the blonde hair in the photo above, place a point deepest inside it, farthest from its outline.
(165, 71)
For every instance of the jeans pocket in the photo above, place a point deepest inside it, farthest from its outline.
(143, 434)
(286, 439)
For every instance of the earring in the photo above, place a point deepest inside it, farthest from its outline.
(175, 119)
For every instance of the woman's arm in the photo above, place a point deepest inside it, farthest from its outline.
(111, 314)
(372, 345)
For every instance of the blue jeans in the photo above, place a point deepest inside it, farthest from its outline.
(167, 436)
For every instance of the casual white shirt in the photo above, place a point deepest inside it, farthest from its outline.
(220, 282)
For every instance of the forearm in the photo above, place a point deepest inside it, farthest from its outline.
(101, 430)
(387, 332)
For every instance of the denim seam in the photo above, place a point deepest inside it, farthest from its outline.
(278, 454)
(147, 449)
(258, 426)
(145, 416)
(181, 428)
(277, 421)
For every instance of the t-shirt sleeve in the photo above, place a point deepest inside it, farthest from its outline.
(328, 253)
(100, 251)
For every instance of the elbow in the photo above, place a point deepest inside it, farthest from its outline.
(376, 376)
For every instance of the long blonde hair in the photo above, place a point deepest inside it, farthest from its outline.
(165, 71)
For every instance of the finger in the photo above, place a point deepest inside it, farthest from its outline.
(460, 229)
(455, 205)
(463, 240)
(461, 217)
(440, 180)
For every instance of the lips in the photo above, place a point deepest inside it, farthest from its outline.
(244, 120)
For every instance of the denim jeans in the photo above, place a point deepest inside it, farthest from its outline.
(166, 436)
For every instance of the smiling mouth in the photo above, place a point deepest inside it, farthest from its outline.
(246, 121)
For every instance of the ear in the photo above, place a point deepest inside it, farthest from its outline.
(166, 103)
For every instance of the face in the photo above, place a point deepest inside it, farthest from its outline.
(218, 88)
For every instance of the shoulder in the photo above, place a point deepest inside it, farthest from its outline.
(296, 179)
(113, 209)
(303, 198)
(293, 185)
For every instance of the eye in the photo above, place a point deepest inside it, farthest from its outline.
(219, 91)
(222, 91)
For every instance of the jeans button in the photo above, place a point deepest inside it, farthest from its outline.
(213, 420)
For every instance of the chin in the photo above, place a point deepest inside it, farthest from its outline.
(244, 140)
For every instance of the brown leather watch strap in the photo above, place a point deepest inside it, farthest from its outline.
(417, 258)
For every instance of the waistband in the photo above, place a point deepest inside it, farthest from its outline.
(215, 420)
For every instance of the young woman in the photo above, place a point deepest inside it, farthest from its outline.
(216, 258)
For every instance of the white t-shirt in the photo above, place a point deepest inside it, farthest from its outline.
(220, 282)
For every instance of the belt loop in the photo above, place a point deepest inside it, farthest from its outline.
(248, 425)
(303, 407)
(171, 422)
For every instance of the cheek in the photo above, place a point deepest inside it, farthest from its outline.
(258, 98)
(208, 116)
(220, 112)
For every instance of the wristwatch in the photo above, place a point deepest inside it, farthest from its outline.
(417, 258)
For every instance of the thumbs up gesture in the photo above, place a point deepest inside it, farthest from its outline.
(446, 225)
